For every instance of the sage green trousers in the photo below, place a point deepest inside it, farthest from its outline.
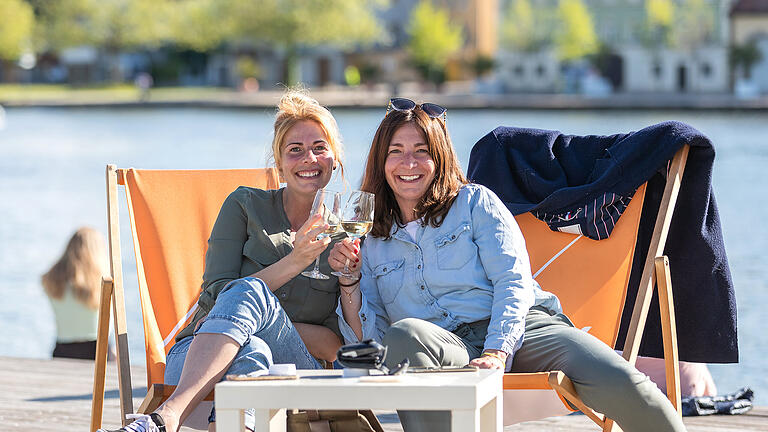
(604, 380)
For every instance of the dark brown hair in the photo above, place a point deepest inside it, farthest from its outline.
(440, 194)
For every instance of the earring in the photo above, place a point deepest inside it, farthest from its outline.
(334, 167)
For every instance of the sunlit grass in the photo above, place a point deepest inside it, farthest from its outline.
(21, 93)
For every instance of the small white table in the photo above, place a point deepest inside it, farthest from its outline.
(474, 398)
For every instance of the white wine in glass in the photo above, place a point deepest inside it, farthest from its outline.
(357, 221)
(327, 203)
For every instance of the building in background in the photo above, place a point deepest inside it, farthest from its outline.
(749, 37)
(629, 60)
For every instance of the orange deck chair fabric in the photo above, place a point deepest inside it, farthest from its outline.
(172, 213)
(589, 277)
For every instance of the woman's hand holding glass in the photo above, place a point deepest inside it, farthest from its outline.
(346, 252)
(325, 218)
(306, 246)
(357, 221)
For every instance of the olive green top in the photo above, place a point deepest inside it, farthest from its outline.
(251, 233)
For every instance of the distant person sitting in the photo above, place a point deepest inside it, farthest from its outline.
(73, 286)
(144, 82)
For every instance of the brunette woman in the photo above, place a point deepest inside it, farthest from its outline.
(446, 281)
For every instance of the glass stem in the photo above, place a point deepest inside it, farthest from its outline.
(317, 265)
(346, 267)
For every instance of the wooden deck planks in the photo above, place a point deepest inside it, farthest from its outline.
(55, 395)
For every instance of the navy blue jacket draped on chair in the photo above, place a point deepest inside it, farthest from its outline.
(548, 172)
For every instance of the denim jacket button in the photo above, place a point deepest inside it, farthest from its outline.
(422, 287)
(453, 237)
(445, 314)
(418, 266)
(384, 269)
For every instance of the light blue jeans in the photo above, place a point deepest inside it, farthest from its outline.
(249, 313)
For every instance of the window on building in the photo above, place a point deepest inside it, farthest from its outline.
(519, 71)
(706, 69)
(540, 70)
(656, 70)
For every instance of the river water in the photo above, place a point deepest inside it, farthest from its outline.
(52, 181)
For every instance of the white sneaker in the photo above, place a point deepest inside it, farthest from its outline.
(142, 423)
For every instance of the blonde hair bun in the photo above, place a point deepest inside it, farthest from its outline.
(295, 106)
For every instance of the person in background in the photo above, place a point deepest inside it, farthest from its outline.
(73, 285)
(446, 281)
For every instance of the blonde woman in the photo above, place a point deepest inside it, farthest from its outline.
(73, 286)
(255, 308)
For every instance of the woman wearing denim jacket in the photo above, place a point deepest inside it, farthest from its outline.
(446, 281)
(255, 308)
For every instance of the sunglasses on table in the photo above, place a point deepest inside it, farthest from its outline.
(405, 105)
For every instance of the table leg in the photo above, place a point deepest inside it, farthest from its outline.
(465, 420)
(269, 420)
(228, 420)
(492, 416)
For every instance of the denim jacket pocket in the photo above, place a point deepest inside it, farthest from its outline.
(389, 279)
(456, 248)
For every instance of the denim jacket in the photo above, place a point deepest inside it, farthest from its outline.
(473, 267)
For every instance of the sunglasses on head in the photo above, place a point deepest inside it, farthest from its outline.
(405, 105)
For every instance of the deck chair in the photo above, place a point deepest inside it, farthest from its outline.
(590, 278)
(171, 214)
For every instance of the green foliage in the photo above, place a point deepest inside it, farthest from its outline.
(576, 37)
(526, 27)
(433, 40)
(110, 24)
(482, 64)
(247, 67)
(16, 29)
(202, 25)
(658, 30)
(352, 75)
(744, 57)
(696, 24)
(660, 12)
(301, 22)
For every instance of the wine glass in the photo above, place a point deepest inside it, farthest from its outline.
(327, 203)
(357, 221)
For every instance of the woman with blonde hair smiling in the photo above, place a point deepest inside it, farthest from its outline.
(256, 308)
(73, 286)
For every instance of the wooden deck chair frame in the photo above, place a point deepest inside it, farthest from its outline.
(112, 293)
(655, 271)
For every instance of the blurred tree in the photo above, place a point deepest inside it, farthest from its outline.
(744, 57)
(292, 24)
(109, 25)
(202, 25)
(576, 37)
(482, 65)
(433, 40)
(16, 30)
(696, 24)
(352, 75)
(523, 25)
(659, 23)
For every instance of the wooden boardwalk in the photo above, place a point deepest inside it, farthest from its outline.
(55, 395)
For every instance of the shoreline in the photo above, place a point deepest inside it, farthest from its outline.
(378, 98)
